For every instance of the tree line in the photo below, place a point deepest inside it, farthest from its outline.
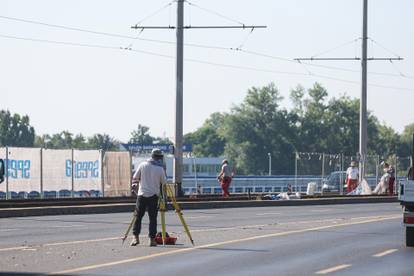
(249, 131)
(16, 131)
(315, 123)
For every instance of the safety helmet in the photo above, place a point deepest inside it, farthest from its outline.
(156, 153)
(224, 161)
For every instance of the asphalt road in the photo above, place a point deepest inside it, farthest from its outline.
(359, 239)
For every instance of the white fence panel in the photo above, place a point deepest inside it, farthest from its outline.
(57, 174)
(23, 169)
(87, 170)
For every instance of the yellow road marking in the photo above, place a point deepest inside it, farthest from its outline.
(384, 253)
(184, 250)
(333, 269)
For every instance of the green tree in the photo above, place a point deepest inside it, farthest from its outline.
(141, 135)
(405, 147)
(102, 141)
(15, 130)
(256, 127)
(79, 142)
(207, 140)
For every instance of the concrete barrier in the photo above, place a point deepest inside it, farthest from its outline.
(128, 205)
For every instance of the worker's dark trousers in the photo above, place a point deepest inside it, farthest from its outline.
(149, 204)
(391, 185)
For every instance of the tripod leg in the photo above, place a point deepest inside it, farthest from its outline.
(180, 214)
(129, 226)
(162, 212)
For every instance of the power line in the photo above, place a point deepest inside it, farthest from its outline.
(202, 46)
(154, 13)
(109, 34)
(59, 42)
(336, 47)
(215, 13)
(319, 65)
(223, 65)
(383, 47)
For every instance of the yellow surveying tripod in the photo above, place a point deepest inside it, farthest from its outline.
(166, 191)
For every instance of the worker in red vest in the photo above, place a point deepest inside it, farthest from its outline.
(352, 175)
(225, 176)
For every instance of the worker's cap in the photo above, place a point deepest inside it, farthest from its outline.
(224, 161)
(385, 164)
(157, 153)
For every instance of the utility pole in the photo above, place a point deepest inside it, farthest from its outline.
(178, 137)
(363, 116)
(363, 127)
(270, 163)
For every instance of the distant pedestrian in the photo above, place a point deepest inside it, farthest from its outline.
(225, 176)
(383, 186)
(148, 177)
(2, 171)
(352, 175)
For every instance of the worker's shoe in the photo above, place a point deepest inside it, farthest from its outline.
(152, 242)
(135, 241)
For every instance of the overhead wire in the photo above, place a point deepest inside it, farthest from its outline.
(215, 13)
(200, 61)
(135, 38)
(129, 47)
(336, 47)
(155, 13)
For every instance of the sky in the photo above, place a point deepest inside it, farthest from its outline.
(105, 87)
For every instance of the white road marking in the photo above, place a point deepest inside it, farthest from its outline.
(197, 217)
(229, 228)
(189, 249)
(333, 269)
(9, 229)
(321, 210)
(336, 221)
(66, 226)
(384, 253)
(80, 242)
(267, 214)
(13, 248)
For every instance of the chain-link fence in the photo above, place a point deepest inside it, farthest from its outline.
(329, 170)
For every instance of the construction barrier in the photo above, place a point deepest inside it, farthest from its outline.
(54, 173)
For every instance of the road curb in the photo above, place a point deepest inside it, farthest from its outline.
(187, 205)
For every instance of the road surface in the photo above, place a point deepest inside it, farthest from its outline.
(357, 239)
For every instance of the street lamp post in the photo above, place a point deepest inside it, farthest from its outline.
(270, 163)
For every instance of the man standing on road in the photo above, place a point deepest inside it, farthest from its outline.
(225, 177)
(352, 175)
(148, 177)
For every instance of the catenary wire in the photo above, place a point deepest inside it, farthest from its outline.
(199, 61)
(134, 38)
(215, 13)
